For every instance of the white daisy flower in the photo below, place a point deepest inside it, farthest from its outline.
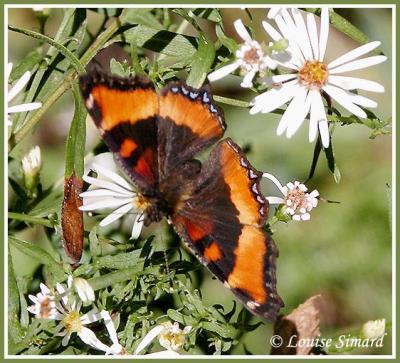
(72, 321)
(169, 335)
(374, 329)
(274, 11)
(298, 203)
(250, 57)
(44, 304)
(110, 190)
(14, 91)
(311, 76)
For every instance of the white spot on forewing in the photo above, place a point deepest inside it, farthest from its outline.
(226, 285)
(252, 174)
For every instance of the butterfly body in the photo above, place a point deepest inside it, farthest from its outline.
(216, 207)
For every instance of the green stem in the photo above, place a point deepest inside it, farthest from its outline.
(231, 101)
(62, 49)
(112, 278)
(65, 85)
(30, 219)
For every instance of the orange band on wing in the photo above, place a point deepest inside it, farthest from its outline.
(251, 205)
(120, 106)
(248, 270)
(193, 114)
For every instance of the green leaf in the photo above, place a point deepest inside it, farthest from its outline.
(140, 17)
(176, 316)
(75, 147)
(202, 61)
(109, 12)
(94, 245)
(29, 63)
(160, 41)
(209, 14)
(119, 261)
(34, 251)
(330, 157)
(15, 330)
(229, 43)
(223, 330)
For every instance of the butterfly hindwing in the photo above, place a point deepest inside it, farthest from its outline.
(125, 110)
(221, 223)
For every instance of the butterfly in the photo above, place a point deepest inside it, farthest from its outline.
(216, 207)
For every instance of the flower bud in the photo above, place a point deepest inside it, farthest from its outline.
(374, 329)
(84, 290)
(31, 165)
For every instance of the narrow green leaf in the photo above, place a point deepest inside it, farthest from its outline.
(229, 43)
(29, 63)
(330, 157)
(223, 330)
(118, 68)
(75, 147)
(34, 251)
(231, 101)
(209, 14)
(61, 48)
(316, 154)
(15, 330)
(202, 61)
(119, 261)
(140, 17)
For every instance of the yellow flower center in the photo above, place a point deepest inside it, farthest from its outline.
(140, 202)
(72, 322)
(175, 339)
(313, 74)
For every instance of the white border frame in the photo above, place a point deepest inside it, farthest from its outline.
(394, 185)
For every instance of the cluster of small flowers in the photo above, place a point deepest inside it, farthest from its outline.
(309, 75)
(64, 306)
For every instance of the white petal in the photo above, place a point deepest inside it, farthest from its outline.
(305, 217)
(275, 181)
(65, 340)
(275, 200)
(273, 11)
(106, 203)
(305, 41)
(301, 107)
(274, 98)
(324, 32)
(89, 337)
(248, 80)
(274, 34)
(324, 132)
(351, 83)
(242, 31)
(118, 213)
(314, 193)
(95, 193)
(341, 96)
(364, 101)
(106, 184)
(358, 64)
(313, 34)
(150, 336)
(91, 316)
(61, 290)
(137, 226)
(279, 78)
(287, 29)
(353, 54)
(19, 86)
(296, 217)
(294, 109)
(112, 176)
(110, 326)
(24, 107)
(317, 114)
(45, 290)
(222, 72)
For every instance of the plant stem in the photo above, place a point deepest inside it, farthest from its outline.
(30, 219)
(64, 86)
